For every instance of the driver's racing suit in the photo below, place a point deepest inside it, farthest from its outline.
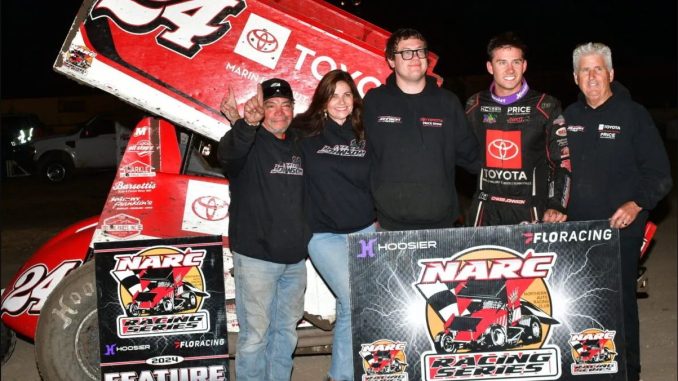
(526, 166)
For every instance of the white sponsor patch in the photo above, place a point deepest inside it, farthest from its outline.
(262, 41)
(206, 208)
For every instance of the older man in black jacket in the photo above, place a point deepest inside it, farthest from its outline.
(620, 170)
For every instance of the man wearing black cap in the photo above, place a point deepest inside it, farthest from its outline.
(266, 232)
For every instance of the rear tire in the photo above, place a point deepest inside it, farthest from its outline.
(497, 337)
(7, 342)
(445, 343)
(67, 338)
(533, 331)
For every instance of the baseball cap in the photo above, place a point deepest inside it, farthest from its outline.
(276, 87)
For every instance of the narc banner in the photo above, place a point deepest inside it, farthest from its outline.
(161, 309)
(524, 302)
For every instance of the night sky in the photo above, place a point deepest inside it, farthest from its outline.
(642, 35)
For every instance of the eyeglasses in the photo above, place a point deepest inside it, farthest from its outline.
(409, 54)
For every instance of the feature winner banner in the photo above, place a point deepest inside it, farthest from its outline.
(523, 302)
(161, 309)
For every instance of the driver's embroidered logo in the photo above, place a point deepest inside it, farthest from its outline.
(291, 168)
(161, 290)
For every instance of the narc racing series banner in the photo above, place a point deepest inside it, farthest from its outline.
(161, 309)
(523, 302)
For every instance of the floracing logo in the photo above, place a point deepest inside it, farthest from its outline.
(488, 311)
(384, 360)
(262, 41)
(568, 236)
(593, 351)
(161, 289)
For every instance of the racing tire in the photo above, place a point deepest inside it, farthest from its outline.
(55, 169)
(133, 310)
(497, 337)
(444, 343)
(7, 342)
(67, 338)
(166, 306)
(192, 301)
(533, 332)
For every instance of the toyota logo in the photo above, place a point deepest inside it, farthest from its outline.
(262, 41)
(503, 149)
(210, 208)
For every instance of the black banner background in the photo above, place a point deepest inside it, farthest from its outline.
(581, 289)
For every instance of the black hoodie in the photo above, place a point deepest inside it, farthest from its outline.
(415, 142)
(266, 185)
(617, 156)
(336, 174)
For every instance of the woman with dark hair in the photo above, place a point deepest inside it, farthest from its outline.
(336, 172)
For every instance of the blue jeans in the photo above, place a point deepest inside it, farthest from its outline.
(269, 301)
(329, 254)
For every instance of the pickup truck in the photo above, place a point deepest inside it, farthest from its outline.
(95, 144)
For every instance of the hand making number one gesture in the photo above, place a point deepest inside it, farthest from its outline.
(254, 107)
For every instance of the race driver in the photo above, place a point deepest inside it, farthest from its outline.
(525, 175)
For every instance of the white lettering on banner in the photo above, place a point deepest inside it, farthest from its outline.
(398, 346)
(534, 265)
(211, 373)
(609, 335)
(573, 236)
(137, 262)
(183, 23)
(317, 62)
(391, 246)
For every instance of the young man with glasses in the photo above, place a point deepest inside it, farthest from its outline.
(416, 134)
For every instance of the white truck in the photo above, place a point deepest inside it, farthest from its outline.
(95, 144)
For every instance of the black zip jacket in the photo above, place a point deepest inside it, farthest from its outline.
(526, 152)
(415, 142)
(266, 186)
(336, 173)
(617, 156)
